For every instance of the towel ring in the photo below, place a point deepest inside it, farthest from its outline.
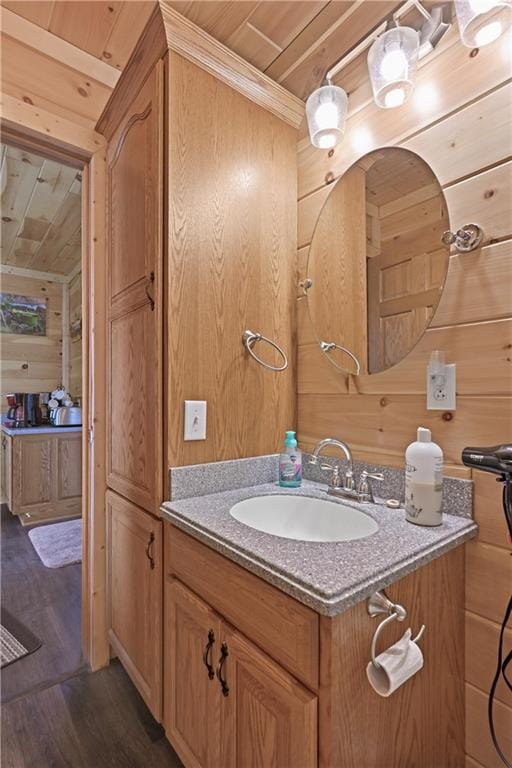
(328, 346)
(380, 603)
(250, 338)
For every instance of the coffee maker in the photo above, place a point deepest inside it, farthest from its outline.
(28, 411)
(13, 401)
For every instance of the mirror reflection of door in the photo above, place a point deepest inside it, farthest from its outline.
(406, 264)
(376, 261)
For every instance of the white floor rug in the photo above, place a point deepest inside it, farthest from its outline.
(58, 544)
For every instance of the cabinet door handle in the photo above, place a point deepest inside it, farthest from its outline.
(149, 550)
(4, 442)
(149, 284)
(207, 654)
(224, 653)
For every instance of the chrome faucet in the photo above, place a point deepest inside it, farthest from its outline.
(346, 486)
(337, 486)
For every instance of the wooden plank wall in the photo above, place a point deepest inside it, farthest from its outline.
(462, 128)
(75, 344)
(33, 363)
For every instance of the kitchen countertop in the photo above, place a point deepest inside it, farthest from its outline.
(327, 576)
(46, 429)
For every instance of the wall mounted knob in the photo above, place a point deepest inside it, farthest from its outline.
(467, 238)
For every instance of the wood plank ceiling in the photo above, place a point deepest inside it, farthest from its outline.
(79, 48)
(106, 30)
(41, 213)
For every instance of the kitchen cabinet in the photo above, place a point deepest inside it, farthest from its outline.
(134, 595)
(258, 709)
(5, 473)
(226, 702)
(42, 475)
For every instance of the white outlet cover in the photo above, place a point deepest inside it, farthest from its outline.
(442, 397)
(195, 420)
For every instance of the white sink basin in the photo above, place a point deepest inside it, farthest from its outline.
(304, 518)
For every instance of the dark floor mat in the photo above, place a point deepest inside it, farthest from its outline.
(16, 640)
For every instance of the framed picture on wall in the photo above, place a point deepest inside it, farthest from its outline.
(22, 315)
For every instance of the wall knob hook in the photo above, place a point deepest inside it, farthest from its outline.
(467, 238)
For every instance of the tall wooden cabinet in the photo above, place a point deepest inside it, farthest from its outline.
(201, 244)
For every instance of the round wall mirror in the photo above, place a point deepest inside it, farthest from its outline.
(377, 266)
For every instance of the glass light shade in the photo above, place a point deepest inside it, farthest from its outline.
(482, 21)
(326, 111)
(392, 62)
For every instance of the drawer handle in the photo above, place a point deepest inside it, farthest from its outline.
(224, 653)
(149, 550)
(207, 654)
(150, 281)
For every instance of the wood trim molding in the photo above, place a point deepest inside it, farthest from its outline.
(56, 48)
(70, 141)
(152, 46)
(137, 118)
(94, 302)
(34, 274)
(169, 30)
(196, 45)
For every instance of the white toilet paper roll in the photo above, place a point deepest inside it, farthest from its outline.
(397, 664)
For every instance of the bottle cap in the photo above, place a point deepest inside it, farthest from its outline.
(290, 439)
(424, 435)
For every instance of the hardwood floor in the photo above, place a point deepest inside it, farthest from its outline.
(47, 601)
(55, 713)
(93, 719)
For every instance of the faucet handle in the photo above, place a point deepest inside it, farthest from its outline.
(335, 481)
(364, 488)
(349, 483)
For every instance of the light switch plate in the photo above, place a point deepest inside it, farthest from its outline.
(442, 397)
(195, 420)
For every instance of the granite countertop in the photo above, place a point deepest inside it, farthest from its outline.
(45, 429)
(327, 576)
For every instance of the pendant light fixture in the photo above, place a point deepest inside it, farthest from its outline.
(482, 21)
(392, 62)
(326, 112)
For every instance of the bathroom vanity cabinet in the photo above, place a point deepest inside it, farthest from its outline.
(251, 676)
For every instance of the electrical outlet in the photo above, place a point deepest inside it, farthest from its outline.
(195, 420)
(441, 389)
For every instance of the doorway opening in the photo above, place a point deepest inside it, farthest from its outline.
(41, 418)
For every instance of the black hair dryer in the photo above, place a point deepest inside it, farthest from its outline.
(498, 460)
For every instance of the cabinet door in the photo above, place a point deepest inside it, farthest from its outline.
(269, 720)
(6, 470)
(68, 467)
(191, 694)
(134, 194)
(134, 600)
(32, 472)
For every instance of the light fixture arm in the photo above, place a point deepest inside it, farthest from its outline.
(435, 18)
(355, 52)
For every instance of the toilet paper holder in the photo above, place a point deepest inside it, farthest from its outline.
(379, 603)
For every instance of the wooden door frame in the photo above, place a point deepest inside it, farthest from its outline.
(58, 139)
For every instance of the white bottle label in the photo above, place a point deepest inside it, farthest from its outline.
(423, 500)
